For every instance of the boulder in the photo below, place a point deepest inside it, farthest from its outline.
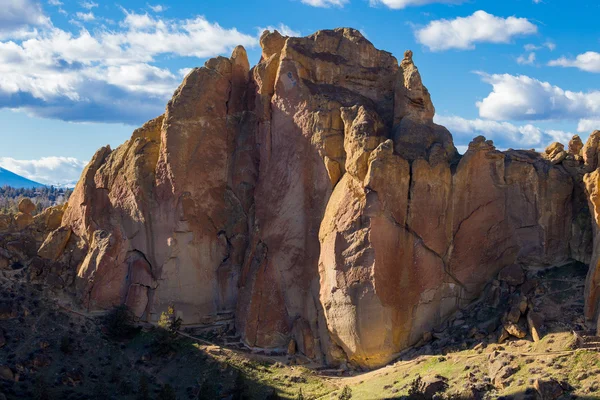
(513, 275)
(6, 373)
(518, 330)
(55, 244)
(514, 314)
(7, 310)
(590, 151)
(535, 322)
(291, 349)
(26, 206)
(23, 220)
(433, 385)
(556, 153)
(548, 389)
(576, 147)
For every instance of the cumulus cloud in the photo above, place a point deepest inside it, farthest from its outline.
(464, 32)
(588, 125)
(504, 134)
(589, 61)
(59, 171)
(281, 28)
(19, 17)
(106, 75)
(399, 4)
(524, 98)
(325, 3)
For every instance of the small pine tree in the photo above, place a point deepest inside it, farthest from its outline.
(168, 321)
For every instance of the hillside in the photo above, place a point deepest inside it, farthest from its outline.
(13, 180)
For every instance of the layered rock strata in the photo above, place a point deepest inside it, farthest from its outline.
(312, 198)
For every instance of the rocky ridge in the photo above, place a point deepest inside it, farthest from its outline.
(313, 199)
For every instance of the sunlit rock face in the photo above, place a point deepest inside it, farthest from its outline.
(313, 198)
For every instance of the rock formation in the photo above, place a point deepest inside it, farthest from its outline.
(312, 199)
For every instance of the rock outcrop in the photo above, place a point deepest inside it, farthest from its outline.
(312, 199)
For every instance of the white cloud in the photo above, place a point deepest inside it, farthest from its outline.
(589, 61)
(157, 8)
(281, 28)
(183, 72)
(106, 75)
(524, 98)
(504, 134)
(532, 47)
(399, 4)
(18, 16)
(588, 125)
(464, 32)
(85, 16)
(529, 60)
(55, 2)
(325, 3)
(61, 171)
(88, 5)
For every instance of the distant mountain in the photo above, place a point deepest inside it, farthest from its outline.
(11, 179)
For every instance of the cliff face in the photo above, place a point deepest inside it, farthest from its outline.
(313, 198)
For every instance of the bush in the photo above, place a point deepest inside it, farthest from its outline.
(143, 392)
(167, 393)
(41, 390)
(66, 345)
(346, 393)
(414, 390)
(120, 323)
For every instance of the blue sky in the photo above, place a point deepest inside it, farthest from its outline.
(76, 75)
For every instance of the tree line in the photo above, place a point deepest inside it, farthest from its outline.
(42, 197)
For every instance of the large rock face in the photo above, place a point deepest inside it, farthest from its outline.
(313, 198)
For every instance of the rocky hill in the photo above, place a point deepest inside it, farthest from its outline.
(310, 206)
